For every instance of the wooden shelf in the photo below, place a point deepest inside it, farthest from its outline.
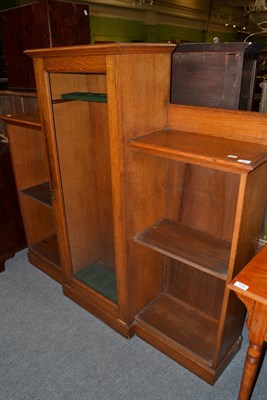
(96, 97)
(189, 246)
(23, 119)
(221, 153)
(47, 249)
(101, 278)
(40, 193)
(181, 326)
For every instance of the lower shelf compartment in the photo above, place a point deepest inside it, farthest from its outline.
(47, 249)
(100, 277)
(181, 326)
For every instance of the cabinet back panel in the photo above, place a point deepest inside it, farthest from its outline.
(65, 83)
(202, 198)
(79, 128)
(195, 288)
(28, 156)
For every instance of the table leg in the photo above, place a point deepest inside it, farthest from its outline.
(250, 369)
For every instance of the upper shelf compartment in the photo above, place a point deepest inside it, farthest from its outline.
(211, 151)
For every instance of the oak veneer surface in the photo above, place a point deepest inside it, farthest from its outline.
(185, 244)
(176, 321)
(194, 287)
(204, 150)
(40, 193)
(102, 49)
(238, 125)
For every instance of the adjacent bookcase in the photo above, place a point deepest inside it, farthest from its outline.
(204, 184)
(31, 170)
(157, 206)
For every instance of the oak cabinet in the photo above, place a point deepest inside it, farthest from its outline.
(157, 206)
(89, 101)
(32, 176)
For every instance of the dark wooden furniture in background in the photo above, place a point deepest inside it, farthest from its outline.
(12, 236)
(157, 205)
(46, 23)
(219, 75)
(250, 285)
(30, 164)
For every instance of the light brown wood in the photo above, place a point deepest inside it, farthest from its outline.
(119, 169)
(188, 245)
(31, 169)
(250, 285)
(238, 125)
(202, 149)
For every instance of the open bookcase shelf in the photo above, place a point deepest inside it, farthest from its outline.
(174, 321)
(48, 249)
(188, 245)
(219, 152)
(40, 193)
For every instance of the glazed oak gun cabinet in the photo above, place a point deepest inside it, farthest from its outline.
(157, 206)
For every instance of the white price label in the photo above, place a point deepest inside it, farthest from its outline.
(241, 285)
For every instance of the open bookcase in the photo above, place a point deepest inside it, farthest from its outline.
(31, 170)
(207, 218)
(157, 206)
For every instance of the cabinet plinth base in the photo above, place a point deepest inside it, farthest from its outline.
(179, 354)
(45, 266)
(111, 320)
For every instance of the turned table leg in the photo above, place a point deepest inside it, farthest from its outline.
(257, 322)
(250, 369)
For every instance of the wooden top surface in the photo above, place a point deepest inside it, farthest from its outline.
(223, 153)
(22, 119)
(254, 276)
(102, 49)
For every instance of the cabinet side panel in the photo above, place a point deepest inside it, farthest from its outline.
(138, 93)
(144, 81)
(247, 246)
(202, 198)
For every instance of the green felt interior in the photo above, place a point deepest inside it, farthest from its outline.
(97, 97)
(101, 278)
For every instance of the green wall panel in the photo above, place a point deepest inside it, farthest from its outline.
(166, 32)
(115, 29)
(108, 29)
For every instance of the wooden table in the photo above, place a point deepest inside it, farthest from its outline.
(250, 285)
